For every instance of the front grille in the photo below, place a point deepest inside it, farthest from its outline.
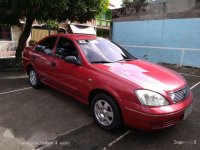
(180, 94)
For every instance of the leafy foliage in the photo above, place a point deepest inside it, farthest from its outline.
(32, 42)
(13, 10)
(47, 10)
(42, 10)
(84, 10)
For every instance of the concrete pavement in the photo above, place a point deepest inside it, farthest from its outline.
(47, 119)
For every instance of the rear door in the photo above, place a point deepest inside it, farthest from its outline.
(42, 57)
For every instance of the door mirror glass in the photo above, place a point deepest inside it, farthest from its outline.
(72, 60)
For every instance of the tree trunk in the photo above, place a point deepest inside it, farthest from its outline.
(22, 40)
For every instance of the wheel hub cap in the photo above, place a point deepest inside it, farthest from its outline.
(104, 112)
(33, 78)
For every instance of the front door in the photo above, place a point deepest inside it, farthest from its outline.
(66, 76)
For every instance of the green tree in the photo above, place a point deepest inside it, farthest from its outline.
(12, 11)
(135, 4)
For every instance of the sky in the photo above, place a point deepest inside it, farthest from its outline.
(117, 3)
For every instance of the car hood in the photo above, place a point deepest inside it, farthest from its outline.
(146, 75)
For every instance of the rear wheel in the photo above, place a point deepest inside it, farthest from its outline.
(106, 112)
(33, 79)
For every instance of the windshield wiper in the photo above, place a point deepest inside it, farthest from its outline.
(100, 62)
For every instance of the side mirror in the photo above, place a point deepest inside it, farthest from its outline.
(72, 60)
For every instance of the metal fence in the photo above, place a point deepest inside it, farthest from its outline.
(184, 56)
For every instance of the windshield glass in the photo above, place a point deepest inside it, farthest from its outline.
(103, 51)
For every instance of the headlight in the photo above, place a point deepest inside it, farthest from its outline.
(151, 98)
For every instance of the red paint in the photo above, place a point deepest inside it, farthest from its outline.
(120, 79)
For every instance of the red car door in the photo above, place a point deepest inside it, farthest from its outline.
(42, 57)
(67, 77)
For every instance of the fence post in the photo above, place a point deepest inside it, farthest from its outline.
(183, 51)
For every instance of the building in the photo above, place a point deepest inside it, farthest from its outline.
(9, 37)
(163, 31)
(99, 26)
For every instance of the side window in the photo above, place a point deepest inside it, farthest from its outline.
(5, 33)
(46, 46)
(66, 48)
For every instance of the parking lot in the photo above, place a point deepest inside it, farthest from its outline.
(49, 120)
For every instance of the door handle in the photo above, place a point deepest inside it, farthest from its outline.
(33, 57)
(53, 64)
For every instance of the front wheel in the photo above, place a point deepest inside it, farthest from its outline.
(33, 79)
(105, 112)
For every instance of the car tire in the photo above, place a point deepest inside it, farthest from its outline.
(106, 112)
(33, 79)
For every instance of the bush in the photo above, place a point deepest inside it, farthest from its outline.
(32, 42)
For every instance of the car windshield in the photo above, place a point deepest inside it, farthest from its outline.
(103, 51)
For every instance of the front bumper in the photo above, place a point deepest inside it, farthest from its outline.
(152, 118)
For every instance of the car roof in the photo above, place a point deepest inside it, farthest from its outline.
(78, 36)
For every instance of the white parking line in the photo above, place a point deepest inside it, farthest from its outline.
(15, 90)
(110, 144)
(86, 124)
(59, 135)
(192, 75)
(127, 132)
(14, 77)
(118, 139)
(195, 85)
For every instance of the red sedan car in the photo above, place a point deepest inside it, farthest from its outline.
(117, 87)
